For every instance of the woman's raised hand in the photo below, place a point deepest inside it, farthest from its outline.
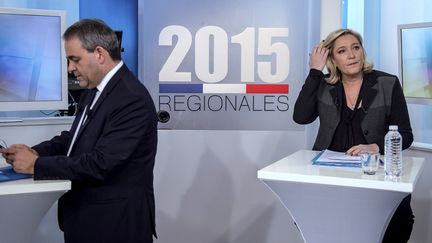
(318, 57)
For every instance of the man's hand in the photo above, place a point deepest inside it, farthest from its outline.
(21, 157)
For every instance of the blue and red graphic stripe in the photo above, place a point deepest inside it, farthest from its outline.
(225, 88)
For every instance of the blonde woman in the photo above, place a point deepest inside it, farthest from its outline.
(355, 106)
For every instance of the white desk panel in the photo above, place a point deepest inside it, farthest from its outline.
(298, 168)
(331, 204)
(31, 186)
(23, 204)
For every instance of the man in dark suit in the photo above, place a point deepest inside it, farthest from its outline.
(109, 152)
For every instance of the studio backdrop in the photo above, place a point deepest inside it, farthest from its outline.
(226, 65)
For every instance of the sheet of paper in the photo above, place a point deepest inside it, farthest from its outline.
(333, 156)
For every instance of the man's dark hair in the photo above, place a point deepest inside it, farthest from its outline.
(93, 33)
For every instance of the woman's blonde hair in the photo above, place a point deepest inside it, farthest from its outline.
(335, 73)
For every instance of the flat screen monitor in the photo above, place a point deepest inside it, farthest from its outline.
(415, 61)
(33, 71)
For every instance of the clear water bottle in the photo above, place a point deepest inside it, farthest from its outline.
(393, 152)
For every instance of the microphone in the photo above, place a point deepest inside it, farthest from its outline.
(89, 114)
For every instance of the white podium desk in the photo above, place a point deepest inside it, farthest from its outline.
(338, 204)
(23, 204)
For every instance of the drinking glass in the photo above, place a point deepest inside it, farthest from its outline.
(370, 162)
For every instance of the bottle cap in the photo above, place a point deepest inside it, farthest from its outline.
(393, 127)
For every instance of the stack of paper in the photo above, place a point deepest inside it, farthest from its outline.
(8, 174)
(332, 158)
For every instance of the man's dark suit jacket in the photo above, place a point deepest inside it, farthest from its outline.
(110, 166)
